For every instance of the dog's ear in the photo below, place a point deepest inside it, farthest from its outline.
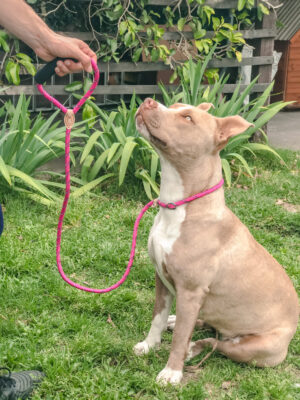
(228, 127)
(205, 106)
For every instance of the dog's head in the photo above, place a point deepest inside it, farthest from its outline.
(186, 131)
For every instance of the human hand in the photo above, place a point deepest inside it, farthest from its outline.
(63, 46)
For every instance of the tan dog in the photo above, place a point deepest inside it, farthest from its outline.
(204, 255)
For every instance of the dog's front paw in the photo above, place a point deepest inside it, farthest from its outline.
(171, 322)
(190, 353)
(169, 375)
(141, 348)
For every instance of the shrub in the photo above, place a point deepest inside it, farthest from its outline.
(26, 144)
(119, 149)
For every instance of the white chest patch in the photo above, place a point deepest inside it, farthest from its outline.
(167, 225)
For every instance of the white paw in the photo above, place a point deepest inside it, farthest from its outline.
(171, 322)
(168, 375)
(141, 348)
(189, 355)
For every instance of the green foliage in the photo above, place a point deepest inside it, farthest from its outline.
(26, 144)
(116, 149)
(13, 62)
(128, 30)
(13, 65)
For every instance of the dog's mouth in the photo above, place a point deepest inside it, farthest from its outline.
(142, 125)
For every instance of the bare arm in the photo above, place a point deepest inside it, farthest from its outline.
(20, 19)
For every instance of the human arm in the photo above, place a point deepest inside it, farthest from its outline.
(20, 19)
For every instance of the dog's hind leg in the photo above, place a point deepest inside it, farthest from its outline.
(162, 307)
(261, 350)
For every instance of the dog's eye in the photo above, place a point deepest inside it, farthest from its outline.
(188, 118)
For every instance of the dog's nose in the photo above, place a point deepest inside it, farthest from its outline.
(150, 104)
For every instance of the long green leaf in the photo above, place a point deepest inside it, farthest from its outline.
(262, 147)
(4, 171)
(243, 162)
(90, 144)
(126, 154)
(98, 165)
(29, 181)
(112, 151)
(261, 121)
(227, 171)
(91, 185)
(146, 177)
(34, 196)
(86, 167)
(154, 165)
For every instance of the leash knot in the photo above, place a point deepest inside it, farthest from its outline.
(69, 119)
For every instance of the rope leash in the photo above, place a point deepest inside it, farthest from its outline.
(69, 121)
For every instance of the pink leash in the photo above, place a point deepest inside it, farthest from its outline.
(69, 121)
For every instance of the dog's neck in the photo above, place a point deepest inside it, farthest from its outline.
(179, 183)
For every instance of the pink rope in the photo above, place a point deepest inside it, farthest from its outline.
(172, 206)
(68, 188)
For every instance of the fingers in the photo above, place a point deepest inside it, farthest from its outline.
(67, 67)
(84, 55)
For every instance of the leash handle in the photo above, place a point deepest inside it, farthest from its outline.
(81, 101)
(48, 70)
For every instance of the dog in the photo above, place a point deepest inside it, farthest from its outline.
(204, 255)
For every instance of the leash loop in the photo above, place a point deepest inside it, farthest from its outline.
(69, 120)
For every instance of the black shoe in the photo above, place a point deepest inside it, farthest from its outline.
(18, 385)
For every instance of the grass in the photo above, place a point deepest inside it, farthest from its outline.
(83, 342)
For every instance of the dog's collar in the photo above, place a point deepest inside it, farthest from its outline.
(173, 206)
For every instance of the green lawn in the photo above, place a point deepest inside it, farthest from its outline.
(46, 324)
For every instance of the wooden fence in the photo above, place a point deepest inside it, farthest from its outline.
(261, 38)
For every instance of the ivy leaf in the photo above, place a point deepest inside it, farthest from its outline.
(241, 4)
(173, 77)
(146, 17)
(180, 24)
(199, 34)
(7, 71)
(72, 87)
(155, 54)
(24, 57)
(123, 28)
(238, 55)
(127, 39)
(208, 11)
(87, 84)
(216, 23)
(137, 54)
(264, 9)
(199, 45)
(89, 114)
(12, 72)
(30, 68)
(4, 44)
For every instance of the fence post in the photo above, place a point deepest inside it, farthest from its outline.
(265, 47)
